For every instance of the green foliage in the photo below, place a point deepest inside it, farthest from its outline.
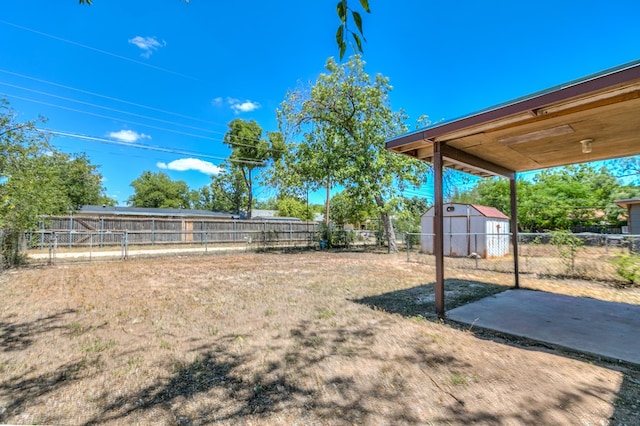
(409, 213)
(227, 192)
(250, 151)
(342, 34)
(568, 246)
(291, 206)
(80, 179)
(37, 180)
(341, 124)
(157, 190)
(335, 235)
(347, 209)
(561, 198)
(628, 267)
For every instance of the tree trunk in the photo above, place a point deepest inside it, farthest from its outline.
(326, 204)
(391, 234)
(388, 226)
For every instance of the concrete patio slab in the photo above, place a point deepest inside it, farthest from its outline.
(605, 329)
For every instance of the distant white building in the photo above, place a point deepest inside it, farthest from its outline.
(469, 229)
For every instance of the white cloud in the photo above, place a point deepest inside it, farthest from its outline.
(184, 164)
(246, 106)
(148, 45)
(128, 136)
(236, 104)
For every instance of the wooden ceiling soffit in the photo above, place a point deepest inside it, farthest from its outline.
(466, 160)
(412, 146)
(425, 152)
(486, 127)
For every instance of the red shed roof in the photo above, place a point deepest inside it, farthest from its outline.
(490, 212)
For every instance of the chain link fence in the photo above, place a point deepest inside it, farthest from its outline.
(599, 257)
(60, 246)
(602, 257)
(52, 246)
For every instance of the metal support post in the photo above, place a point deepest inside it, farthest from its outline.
(438, 227)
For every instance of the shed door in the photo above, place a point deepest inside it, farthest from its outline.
(456, 236)
(497, 238)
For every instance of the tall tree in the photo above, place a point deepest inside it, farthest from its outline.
(409, 213)
(292, 206)
(37, 180)
(250, 151)
(80, 179)
(159, 191)
(347, 209)
(351, 110)
(227, 191)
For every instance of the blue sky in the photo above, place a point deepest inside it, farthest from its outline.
(123, 75)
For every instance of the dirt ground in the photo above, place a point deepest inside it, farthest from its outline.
(312, 338)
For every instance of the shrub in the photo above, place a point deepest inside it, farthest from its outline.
(568, 246)
(628, 267)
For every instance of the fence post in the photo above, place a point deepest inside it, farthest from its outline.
(125, 244)
(90, 245)
(70, 228)
(153, 231)
(42, 234)
(234, 231)
(101, 231)
(53, 245)
(206, 245)
(408, 238)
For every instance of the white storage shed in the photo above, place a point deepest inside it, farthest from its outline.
(468, 229)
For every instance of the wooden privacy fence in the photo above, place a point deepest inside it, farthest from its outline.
(83, 231)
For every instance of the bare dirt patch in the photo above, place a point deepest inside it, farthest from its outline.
(308, 338)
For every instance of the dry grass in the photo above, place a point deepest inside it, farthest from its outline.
(310, 338)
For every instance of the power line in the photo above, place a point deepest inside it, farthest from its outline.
(104, 52)
(141, 124)
(147, 147)
(109, 108)
(86, 92)
(130, 113)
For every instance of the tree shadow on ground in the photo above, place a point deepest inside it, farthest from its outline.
(216, 372)
(556, 410)
(20, 335)
(627, 402)
(22, 391)
(226, 385)
(420, 300)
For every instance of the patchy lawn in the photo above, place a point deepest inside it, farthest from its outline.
(307, 338)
